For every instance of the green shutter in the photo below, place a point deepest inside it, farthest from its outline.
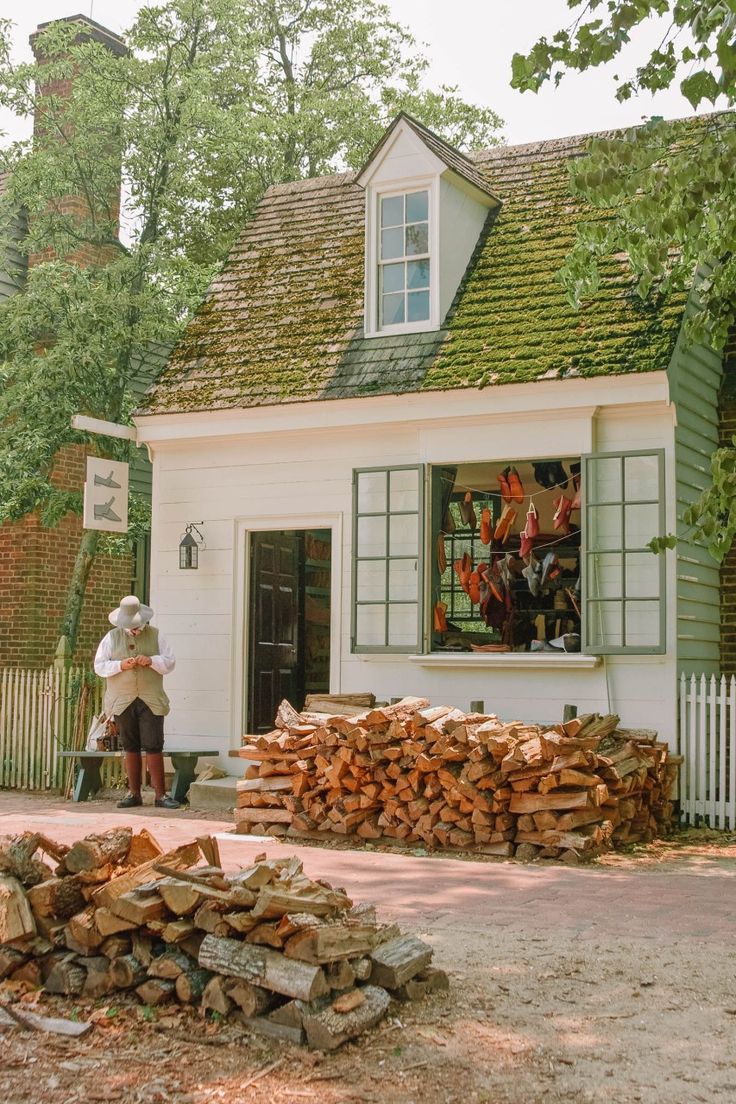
(623, 581)
(388, 569)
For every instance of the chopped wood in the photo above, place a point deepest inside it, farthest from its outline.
(58, 897)
(398, 960)
(191, 984)
(126, 972)
(16, 917)
(98, 850)
(262, 966)
(155, 991)
(180, 857)
(328, 1029)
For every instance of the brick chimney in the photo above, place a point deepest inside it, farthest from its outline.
(87, 30)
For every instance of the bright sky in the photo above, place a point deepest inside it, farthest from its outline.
(470, 43)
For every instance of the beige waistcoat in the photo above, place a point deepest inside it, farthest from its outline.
(138, 682)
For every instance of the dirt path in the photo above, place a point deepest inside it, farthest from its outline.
(611, 983)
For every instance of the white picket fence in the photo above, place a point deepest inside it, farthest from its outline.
(38, 710)
(707, 733)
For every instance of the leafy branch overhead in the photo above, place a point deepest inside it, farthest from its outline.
(663, 196)
(212, 102)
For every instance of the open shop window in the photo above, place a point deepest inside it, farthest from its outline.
(505, 565)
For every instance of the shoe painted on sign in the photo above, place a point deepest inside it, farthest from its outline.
(106, 481)
(105, 512)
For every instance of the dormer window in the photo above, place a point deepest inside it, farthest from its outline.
(426, 205)
(403, 259)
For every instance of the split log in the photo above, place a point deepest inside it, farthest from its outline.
(97, 850)
(170, 965)
(18, 858)
(66, 977)
(127, 972)
(251, 999)
(10, 959)
(108, 923)
(262, 966)
(191, 984)
(108, 894)
(181, 898)
(155, 991)
(215, 997)
(138, 908)
(16, 918)
(331, 942)
(97, 982)
(59, 897)
(327, 1029)
(82, 933)
(115, 946)
(398, 960)
(177, 931)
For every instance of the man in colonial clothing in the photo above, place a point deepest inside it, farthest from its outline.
(133, 658)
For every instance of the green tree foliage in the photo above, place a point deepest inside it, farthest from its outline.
(663, 194)
(214, 101)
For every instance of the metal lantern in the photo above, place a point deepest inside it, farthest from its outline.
(189, 549)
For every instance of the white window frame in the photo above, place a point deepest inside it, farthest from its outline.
(372, 327)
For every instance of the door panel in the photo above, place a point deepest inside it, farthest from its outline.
(275, 661)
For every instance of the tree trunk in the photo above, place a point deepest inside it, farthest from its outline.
(78, 586)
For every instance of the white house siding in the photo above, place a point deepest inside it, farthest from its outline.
(210, 469)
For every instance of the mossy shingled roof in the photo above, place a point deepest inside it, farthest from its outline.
(283, 322)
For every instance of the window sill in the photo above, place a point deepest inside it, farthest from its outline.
(506, 660)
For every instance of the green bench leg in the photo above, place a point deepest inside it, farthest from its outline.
(184, 768)
(88, 780)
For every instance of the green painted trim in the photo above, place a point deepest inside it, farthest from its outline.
(586, 552)
(397, 649)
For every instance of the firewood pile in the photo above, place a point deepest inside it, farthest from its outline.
(447, 779)
(289, 957)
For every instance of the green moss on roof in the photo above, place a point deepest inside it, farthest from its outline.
(284, 320)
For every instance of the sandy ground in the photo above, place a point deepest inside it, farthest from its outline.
(613, 982)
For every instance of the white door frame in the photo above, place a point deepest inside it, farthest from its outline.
(241, 590)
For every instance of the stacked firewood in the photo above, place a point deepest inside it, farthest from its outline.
(444, 778)
(290, 957)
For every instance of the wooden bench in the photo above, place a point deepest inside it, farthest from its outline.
(89, 782)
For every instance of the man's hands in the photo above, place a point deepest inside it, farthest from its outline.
(135, 661)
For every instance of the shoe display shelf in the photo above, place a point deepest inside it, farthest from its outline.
(461, 611)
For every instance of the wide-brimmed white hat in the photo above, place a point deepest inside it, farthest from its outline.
(130, 614)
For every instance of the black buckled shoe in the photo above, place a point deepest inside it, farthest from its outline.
(130, 802)
(166, 803)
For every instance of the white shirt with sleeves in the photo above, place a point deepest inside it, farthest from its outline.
(105, 667)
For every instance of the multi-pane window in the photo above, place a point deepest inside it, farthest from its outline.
(403, 259)
(387, 570)
(624, 581)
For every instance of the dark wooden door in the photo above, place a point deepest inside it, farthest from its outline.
(275, 662)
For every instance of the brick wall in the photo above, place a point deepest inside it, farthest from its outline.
(728, 569)
(35, 569)
(36, 563)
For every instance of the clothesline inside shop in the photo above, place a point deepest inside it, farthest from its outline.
(460, 535)
(459, 487)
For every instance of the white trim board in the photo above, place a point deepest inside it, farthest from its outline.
(539, 399)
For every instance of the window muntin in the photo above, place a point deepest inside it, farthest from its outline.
(403, 259)
(387, 568)
(623, 580)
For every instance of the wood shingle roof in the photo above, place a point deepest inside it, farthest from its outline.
(283, 322)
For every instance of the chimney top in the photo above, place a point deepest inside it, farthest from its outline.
(89, 31)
